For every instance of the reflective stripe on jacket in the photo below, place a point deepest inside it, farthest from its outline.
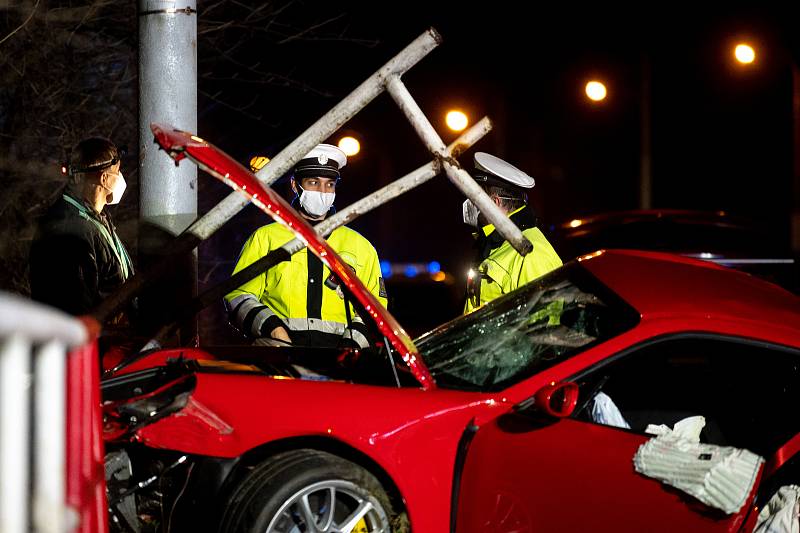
(504, 270)
(295, 292)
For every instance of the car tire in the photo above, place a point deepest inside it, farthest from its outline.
(283, 493)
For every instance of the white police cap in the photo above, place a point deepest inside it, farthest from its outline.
(325, 160)
(501, 170)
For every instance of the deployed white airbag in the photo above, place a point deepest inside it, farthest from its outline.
(605, 411)
(782, 512)
(719, 476)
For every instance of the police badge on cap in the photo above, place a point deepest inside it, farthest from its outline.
(324, 161)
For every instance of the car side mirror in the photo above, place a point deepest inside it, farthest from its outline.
(556, 399)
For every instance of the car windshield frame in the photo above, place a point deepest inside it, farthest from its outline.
(542, 324)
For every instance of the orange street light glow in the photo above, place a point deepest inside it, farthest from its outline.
(744, 54)
(596, 91)
(349, 146)
(456, 120)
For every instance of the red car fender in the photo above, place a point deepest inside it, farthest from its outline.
(411, 434)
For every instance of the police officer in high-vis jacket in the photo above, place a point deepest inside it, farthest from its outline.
(498, 268)
(298, 300)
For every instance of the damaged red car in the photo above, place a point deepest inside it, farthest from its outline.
(490, 422)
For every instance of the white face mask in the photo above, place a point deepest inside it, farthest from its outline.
(316, 203)
(470, 213)
(118, 190)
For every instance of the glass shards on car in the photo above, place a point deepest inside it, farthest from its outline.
(525, 332)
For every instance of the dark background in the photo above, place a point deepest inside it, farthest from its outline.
(721, 133)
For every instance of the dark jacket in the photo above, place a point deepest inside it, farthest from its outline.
(76, 257)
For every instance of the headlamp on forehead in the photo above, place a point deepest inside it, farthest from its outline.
(122, 151)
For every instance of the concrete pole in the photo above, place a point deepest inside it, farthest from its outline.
(167, 94)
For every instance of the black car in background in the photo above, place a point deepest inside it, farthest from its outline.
(717, 236)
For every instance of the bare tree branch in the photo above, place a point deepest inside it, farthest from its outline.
(70, 71)
(33, 11)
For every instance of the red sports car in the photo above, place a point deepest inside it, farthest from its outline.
(487, 423)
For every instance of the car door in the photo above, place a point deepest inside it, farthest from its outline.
(523, 472)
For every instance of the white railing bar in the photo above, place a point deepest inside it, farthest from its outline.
(406, 183)
(323, 128)
(49, 455)
(38, 323)
(14, 433)
(396, 188)
(453, 170)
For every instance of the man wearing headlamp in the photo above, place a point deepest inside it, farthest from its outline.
(77, 258)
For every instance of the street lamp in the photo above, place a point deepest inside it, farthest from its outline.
(349, 145)
(456, 120)
(744, 53)
(596, 91)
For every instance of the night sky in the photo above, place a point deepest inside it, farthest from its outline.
(721, 133)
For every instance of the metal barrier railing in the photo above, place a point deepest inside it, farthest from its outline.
(45, 473)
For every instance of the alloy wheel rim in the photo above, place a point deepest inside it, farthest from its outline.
(330, 506)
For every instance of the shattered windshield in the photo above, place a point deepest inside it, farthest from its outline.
(525, 332)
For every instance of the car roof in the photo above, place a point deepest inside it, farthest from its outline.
(672, 230)
(663, 285)
(679, 215)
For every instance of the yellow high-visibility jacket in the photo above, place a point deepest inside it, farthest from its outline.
(294, 293)
(504, 269)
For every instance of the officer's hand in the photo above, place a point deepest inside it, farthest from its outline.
(281, 334)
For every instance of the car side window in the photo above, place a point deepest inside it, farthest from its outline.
(748, 392)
